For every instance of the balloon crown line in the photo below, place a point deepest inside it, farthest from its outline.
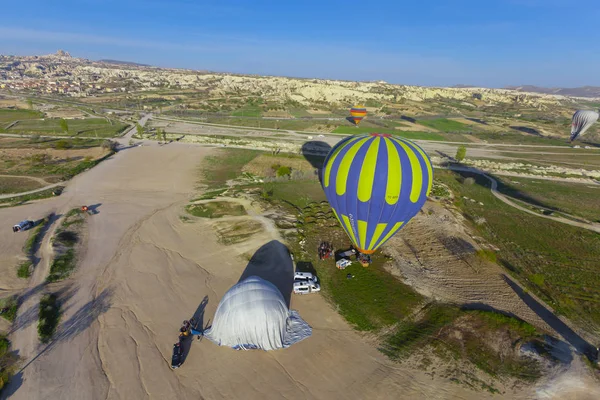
(381, 134)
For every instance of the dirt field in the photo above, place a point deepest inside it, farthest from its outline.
(145, 270)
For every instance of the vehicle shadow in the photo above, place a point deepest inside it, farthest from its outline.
(570, 336)
(273, 263)
(306, 266)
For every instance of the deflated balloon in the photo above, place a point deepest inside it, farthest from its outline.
(357, 113)
(375, 184)
(582, 120)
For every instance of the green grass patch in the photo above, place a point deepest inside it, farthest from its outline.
(35, 236)
(565, 257)
(17, 185)
(62, 266)
(467, 334)
(248, 111)
(372, 299)
(216, 209)
(9, 306)
(89, 127)
(572, 198)
(63, 242)
(8, 362)
(411, 335)
(24, 269)
(298, 194)
(9, 115)
(446, 125)
(226, 165)
(210, 195)
(486, 254)
(517, 138)
(48, 317)
(19, 200)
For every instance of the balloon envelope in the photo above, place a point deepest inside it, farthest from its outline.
(357, 113)
(582, 120)
(375, 184)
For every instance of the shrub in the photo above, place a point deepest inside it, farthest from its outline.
(48, 316)
(284, 171)
(461, 153)
(109, 145)
(63, 144)
(9, 307)
(24, 269)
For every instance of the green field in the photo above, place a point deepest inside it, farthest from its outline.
(217, 169)
(351, 130)
(587, 159)
(216, 209)
(517, 138)
(446, 125)
(572, 198)
(558, 262)
(90, 127)
(248, 111)
(8, 116)
(17, 185)
(284, 124)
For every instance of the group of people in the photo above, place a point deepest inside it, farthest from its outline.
(189, 328)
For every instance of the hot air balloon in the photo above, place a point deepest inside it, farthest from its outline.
(582, 120)
(375, 184)
(357, 113)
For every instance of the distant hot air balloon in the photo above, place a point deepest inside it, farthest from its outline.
(582, 120)
(375, 184)
(357, 113)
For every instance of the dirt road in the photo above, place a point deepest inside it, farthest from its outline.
(145, 270)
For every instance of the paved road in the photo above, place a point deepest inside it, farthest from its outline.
(133, 130)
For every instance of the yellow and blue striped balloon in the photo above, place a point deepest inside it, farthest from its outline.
(375, 183)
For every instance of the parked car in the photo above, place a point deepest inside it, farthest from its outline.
(342, 263)
(306, 287)
(23, 225)
(305, 277)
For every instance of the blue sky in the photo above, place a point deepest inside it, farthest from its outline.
(427, 42)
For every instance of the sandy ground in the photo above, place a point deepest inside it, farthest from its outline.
(144, 271)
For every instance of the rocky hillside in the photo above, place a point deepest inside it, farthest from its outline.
(131, 77)
(584, 91)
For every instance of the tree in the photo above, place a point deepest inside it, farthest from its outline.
(63, 144)
(461, 153)
(30, 104)
(139, 129)
(164, 135)
(64, 125)
(110, 145)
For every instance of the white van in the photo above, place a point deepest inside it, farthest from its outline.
(306, 287)
(305, 277)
